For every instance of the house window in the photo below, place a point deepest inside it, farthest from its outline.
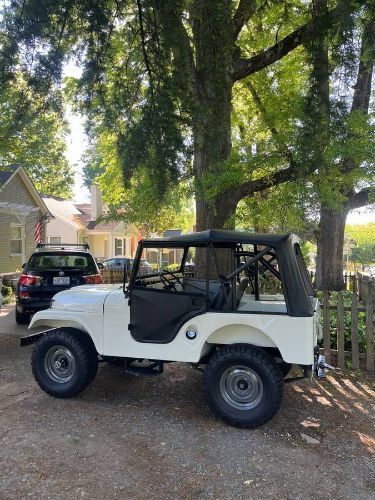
(15, 239)
(120, 247)
(55, 240)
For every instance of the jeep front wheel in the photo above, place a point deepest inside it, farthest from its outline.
(244, 385)
(63, 364)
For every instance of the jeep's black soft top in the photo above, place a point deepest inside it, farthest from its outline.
(203, 238)
(297, 287)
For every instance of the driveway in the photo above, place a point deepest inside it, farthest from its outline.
(129, 437)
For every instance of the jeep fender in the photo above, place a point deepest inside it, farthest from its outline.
(69, 320)
(240, 334)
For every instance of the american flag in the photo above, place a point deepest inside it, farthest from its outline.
(38, 232)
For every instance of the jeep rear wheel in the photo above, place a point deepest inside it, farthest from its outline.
(244, 385)
(63, 364)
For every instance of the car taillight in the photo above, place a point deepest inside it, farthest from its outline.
(28, 279)
(93, 279)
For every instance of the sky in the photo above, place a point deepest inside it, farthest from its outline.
(76, 141)
(76, 144)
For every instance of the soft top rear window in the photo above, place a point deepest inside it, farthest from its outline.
(304, 272)
(64, 260)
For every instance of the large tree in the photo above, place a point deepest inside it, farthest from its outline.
(160, 75)
(332, 134)
(341, 137)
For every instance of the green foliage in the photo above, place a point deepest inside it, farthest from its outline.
(361, 233)
(34, 138)
(306, 248)
(7, 293)
(147, 110)
(137, 201)
(364, 254)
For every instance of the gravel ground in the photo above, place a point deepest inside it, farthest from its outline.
(129, 437)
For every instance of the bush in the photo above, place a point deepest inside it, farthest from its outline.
(173, 267)
(7, 293)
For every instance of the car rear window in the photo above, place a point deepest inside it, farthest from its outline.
(51, 261)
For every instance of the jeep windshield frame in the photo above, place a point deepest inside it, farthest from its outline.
(291, 271)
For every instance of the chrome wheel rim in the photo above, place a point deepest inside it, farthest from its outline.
(241, 387)
(59, 364)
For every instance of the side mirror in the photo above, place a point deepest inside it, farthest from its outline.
(24, 265)
(100, 265)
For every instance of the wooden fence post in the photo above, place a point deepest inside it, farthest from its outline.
(326, 329)
(369, 331)
(340, 331)
(354, 331)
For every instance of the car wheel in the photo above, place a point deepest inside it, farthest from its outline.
(244, 385)
(63, 364)
(22, 318)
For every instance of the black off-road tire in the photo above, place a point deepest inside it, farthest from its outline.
(262, 376)
(22, 318)
(76, 347)
(285, 368)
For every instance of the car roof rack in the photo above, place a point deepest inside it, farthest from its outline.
(62, 246)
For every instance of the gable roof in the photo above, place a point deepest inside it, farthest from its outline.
(84, 208)
(63, 209)
(6, 175)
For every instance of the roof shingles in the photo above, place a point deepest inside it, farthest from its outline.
(6, 173)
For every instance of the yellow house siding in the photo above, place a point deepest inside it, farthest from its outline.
(16, 192)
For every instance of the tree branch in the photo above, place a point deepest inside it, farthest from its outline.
(246, 8)
(245, 67)
(364, 197)
(292, 173)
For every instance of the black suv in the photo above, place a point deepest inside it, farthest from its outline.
(49, 270)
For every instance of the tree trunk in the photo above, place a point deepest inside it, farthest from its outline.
(212, 105)
(330, 258)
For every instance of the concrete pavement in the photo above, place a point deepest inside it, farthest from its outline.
(8, 325)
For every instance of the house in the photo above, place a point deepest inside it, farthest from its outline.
(21, 208)
(82, 223)
(164, 257)
(62, 228)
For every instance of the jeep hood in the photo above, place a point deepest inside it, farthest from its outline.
(85, 298)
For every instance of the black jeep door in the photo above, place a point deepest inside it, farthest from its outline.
(157, 314)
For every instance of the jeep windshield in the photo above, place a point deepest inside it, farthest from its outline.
(54, 261)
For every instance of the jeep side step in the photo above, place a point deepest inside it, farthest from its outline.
(153, 368)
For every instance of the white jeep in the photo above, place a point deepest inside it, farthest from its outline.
(244, 314)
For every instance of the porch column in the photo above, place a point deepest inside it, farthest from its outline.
(110, 246)
(22, 221)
